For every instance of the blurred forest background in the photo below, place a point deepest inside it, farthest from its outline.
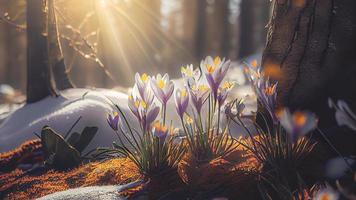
(122, 37)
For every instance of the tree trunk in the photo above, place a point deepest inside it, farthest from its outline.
(200, 34)
(225, 35)
(39, 81)
(253, 19)
(313, 43)
(55, 52)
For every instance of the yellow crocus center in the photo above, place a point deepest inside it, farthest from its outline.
(217, 60)
(137, 103)
(143, 104)
(228, 85)
(184, 93)
(254, 63)
(189, 120)
(164, 129)
(325, 197)
(203, 88)
(299, 118)
(144, 77)
(270, 90)
(159, 127)
(187, 71)
(210, 68)
(161, 84)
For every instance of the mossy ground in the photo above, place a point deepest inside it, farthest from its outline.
(235, 170)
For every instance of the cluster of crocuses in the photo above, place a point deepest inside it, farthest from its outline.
(152, 148)
(203, 89)
(208, 93)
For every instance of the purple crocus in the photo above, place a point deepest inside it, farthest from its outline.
(141, 84)
(198, 95)
(327, 193)
(297, 124)
(224, 91)
(182, 101)
(344, 115)
(160, 131)
(162, 87)
(113, 120)
(145, 113)
(267, 96)
(190, 76)
(215, 71)
(235, 108)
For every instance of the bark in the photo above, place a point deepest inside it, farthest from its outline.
(253, 19)
(200, 33)
(39, 81)
(312, 41)
(56, 62)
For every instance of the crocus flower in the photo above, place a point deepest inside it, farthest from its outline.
(160, 131)
(338, 167)
(344, 115)
(145, 113)
(189, 120)
(142, 82)
(236, 111)
(215, 71)
(145, 94)
(162, 87)
(181, 100)
(113, 120)
(326, 194)
(267, 96)
(190, 76)
(223, 92)
(142, 86)
(198, 94)
(297, 124)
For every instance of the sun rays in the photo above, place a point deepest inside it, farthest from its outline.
(129, 34)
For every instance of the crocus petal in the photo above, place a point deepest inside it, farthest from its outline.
(326, 193)
(310, 124)
(285, 119)
(344, 116)
(152, 115)
(158, 92)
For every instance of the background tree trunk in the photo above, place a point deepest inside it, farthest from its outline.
(313, 43)
(200, 29)
(253, 15)
(39, 81)
(55, 52)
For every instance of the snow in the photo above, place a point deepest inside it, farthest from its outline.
(93, 105)
(91, 193)
(60, 113)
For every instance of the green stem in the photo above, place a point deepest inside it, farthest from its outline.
(164, 113)
(334, 148)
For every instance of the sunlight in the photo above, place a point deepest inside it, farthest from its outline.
(110, 29)
(103, 3)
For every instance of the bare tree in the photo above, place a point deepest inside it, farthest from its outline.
(39, 80)
(56, 62)
(200, 28)
(46, 71)
(253, 19)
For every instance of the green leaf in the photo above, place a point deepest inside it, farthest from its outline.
(73, 138)
(85, 138)
(62, 155)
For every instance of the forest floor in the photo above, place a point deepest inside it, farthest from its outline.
(221, 176)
